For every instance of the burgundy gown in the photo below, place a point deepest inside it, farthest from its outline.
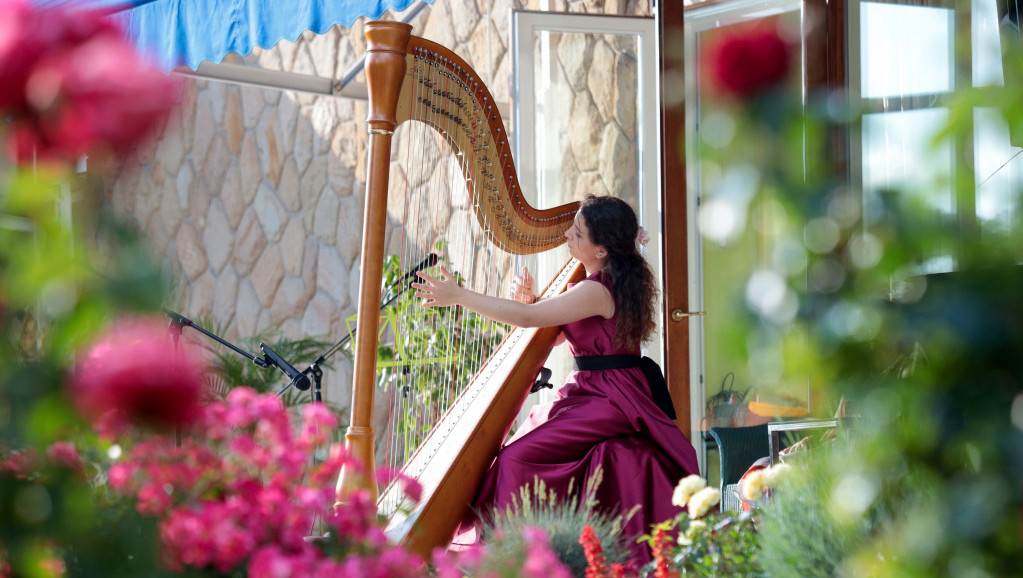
(603, 418)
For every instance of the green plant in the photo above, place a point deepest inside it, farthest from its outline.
(563, 517)
(232, 370)
(700, 542)
(427, 351)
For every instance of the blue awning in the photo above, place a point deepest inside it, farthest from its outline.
(187, 32)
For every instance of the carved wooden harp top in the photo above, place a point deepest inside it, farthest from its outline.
(411, 78)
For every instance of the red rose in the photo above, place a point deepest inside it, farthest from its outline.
(135, 370)
(747, 60)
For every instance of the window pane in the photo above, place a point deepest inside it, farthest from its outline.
(987, 48)
(899, 155)
(999, 172)
(906, 50)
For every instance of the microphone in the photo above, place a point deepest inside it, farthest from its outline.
(426, 263)
(299, 379)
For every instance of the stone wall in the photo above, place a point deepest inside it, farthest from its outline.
(254, 197)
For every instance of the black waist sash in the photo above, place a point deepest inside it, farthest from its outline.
(652, 371)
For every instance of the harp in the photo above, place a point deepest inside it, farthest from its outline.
(413, 79)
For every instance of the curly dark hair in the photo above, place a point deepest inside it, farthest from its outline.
(612, 224)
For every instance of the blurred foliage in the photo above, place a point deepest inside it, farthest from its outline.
(231, 369)
(426, 352)
(932, 484)
(59, 285)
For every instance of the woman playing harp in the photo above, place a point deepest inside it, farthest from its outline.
(605, 415)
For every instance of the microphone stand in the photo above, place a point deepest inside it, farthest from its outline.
(401, 286)
(178, 322)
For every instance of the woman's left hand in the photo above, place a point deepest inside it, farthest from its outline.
(440, 292)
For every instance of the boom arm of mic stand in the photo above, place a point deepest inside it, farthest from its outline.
(182, 321)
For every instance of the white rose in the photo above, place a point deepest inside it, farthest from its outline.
(701, 502)
(753, 485)
(775, 473)
(686, 487)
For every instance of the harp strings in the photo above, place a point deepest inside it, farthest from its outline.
(443, 202)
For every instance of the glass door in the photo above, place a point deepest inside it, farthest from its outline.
(732, 237)
(586, 122)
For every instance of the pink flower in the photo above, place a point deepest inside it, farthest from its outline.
(409, 485)
(65, 454)
(20, 464)
(746, 60)
(73, 85)
(134, 368)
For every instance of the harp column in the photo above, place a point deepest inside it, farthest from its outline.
(385, 70)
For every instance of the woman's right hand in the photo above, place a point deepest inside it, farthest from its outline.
(522, 287)
(439, 291)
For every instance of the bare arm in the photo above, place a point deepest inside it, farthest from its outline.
(587, 299)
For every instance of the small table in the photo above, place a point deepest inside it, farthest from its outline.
(775, 428)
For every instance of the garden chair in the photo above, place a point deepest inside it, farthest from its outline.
(738, 448)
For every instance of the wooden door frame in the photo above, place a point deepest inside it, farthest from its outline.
(675, 262)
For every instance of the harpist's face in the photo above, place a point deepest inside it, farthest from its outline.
(579, 244)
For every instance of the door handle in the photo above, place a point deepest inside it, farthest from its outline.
(679, 315)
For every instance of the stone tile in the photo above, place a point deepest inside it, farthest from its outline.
(303, 63)
(225, 297)
(271, 212)
(170, 212)
(250, 169)
(267, 142)
(626, 87)
(302, 151)
(187, 108)
(500, 13)
(339, 175)
(575, 52)
(323, 118)
(589, 183)
(290, 189)
(349, 229)
(484, 56)
(319, 316)
(290, 301)
(232, 196)
(191, 254)
(200, 297)
(323, 52)
(313, 180)
(234, 121)
(249, 244)
(326, 217)
(618, 162)
(465, 21)
(337, 381)
(205, 126)
(309, 259)
(251, 104)
(172, 148)
(600, 78)
(332, 275)
(267, 274)
(246, 317)
(293, 243)
(199, 199)
(585, 131)
(218, 237)
(438, 25)
(215, 163)
(354, 282)
(183, 184)
(287, 119)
